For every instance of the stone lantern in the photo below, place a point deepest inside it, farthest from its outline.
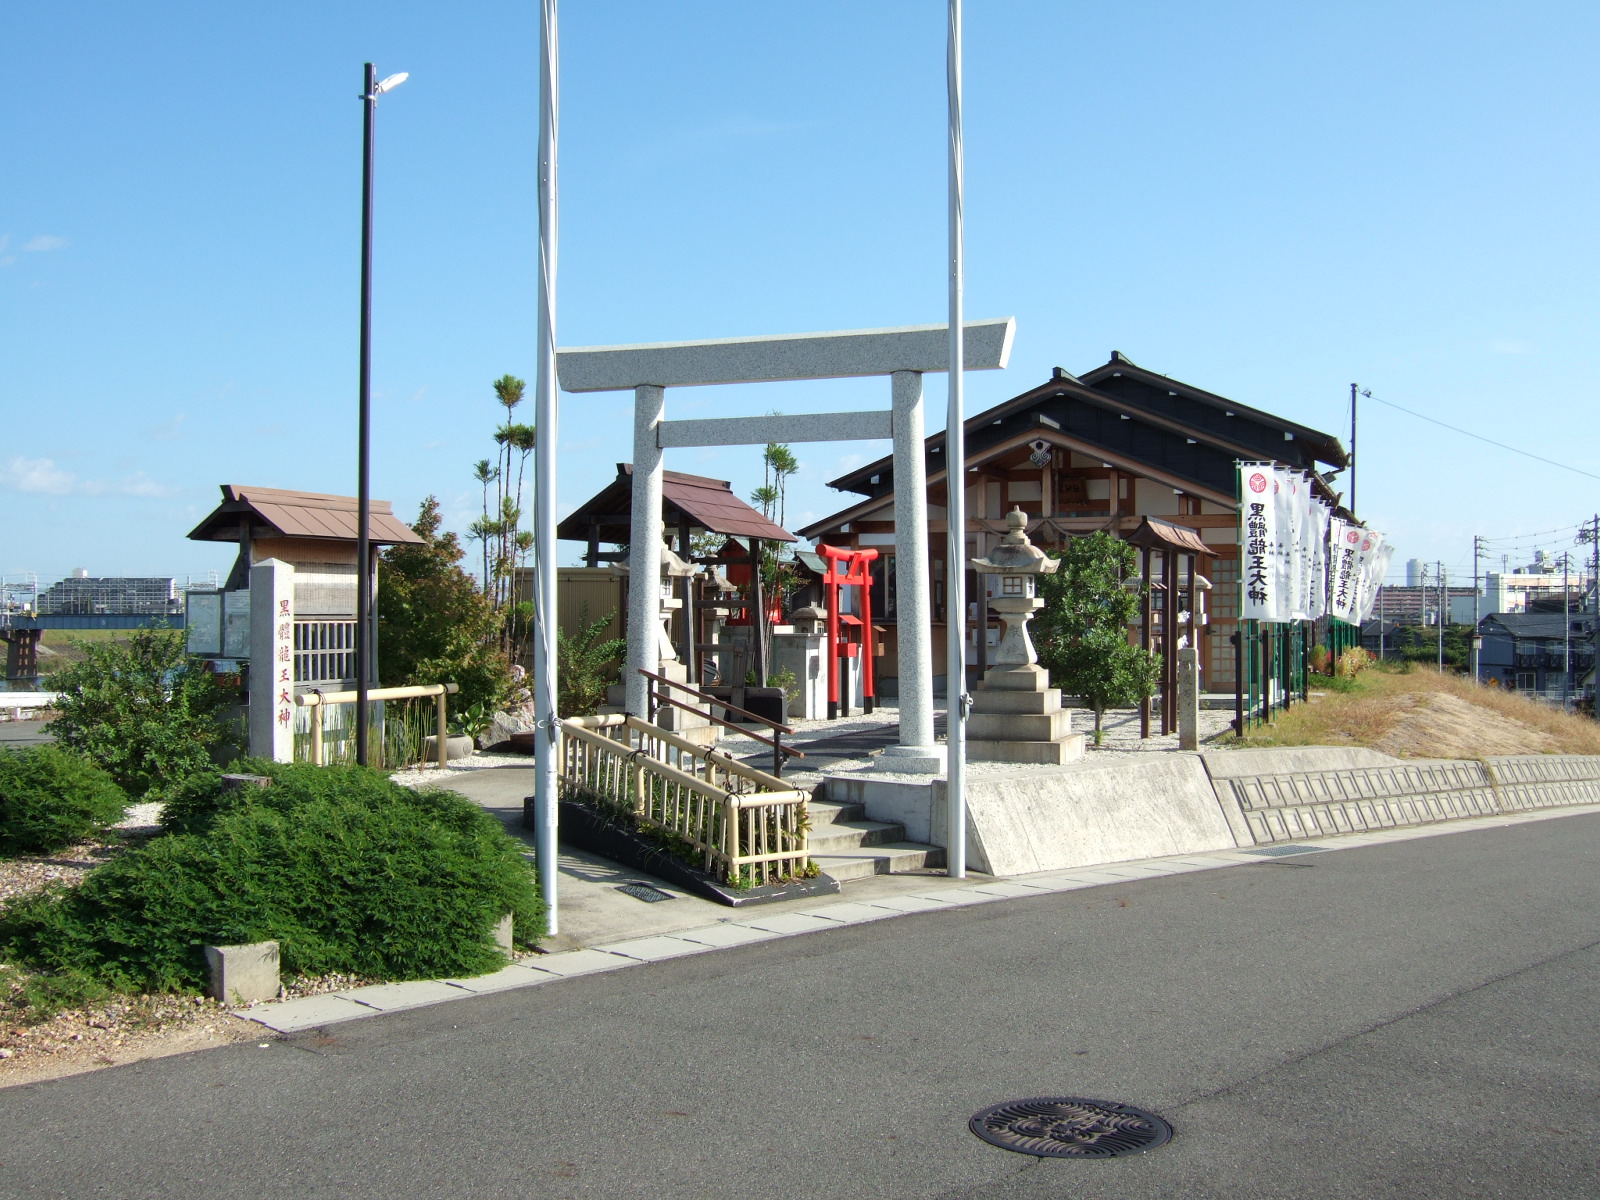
(672, 567)
(1016, 714)
(1018, 563)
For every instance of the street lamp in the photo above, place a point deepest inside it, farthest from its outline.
(370, 91)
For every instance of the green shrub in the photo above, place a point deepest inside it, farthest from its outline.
(50, 798)
(346, 870)
(143, 710)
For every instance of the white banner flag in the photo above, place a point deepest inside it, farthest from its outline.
(1259, 579)
(1376, 567)
(1321, 514)
(1344, 547)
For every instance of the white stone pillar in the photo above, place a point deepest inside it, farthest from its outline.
(644, 548)
(272, 709)
(917, 750)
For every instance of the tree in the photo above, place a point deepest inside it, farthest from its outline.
(587, 662)
(143, 710)
(1082, 632)
(434, 625)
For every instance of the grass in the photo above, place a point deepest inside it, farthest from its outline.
(1389, 709)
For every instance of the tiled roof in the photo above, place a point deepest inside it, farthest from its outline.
(708, 503)
(301, 515)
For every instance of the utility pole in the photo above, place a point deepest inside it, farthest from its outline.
(1477, 545)
(1353, 388)
(1566, 629)
(1444, 610)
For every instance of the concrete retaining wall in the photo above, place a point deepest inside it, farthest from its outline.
(1133, 808)
(1280, 808)
(1150, 806)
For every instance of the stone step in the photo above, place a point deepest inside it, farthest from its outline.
(827, 812)
(840, 837)
(890, 859)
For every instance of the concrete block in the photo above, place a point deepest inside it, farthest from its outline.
(454, 748)
(1145, 807)
(1047, 701)
(240, 974)
(1026, 678)
(909, 804)
(1058, 753)
(791, 923)
(1018, 727)
(581, 962)
(503, 933)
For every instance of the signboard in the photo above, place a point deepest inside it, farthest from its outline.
(202, 623)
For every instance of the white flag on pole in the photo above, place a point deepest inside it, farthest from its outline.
(1344, 545)
(1259, 580)
(1375, 568)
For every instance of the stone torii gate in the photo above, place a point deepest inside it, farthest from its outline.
(904, 354)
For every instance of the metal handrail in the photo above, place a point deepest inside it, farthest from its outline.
(779, 750)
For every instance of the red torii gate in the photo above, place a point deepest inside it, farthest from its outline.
(848, 568)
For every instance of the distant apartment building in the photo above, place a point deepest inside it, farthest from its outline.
(82, 594)
(1420, 605)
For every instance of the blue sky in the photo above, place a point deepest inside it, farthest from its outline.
(1265, 200)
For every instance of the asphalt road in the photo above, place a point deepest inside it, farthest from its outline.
(1415, 1019)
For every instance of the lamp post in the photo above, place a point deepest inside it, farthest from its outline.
(370, 91)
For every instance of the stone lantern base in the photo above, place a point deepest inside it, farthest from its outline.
(1017, 717)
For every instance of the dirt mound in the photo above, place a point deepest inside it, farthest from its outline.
(1441, 725)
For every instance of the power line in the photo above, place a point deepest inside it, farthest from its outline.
(1468, 433)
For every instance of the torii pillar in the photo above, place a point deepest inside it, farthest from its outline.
(904, 354)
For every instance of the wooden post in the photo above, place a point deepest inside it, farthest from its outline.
(442, 738)
(1169, 642)
(316, 730)
(1144, 641)
(688, 649)
(758, 620)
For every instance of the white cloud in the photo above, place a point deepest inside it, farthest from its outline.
(42, 476)
(20, 474)
(44, 241)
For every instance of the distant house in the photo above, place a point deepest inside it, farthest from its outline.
(1528, 651)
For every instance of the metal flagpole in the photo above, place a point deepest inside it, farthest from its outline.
(955, 480)
(369, 99)
(544, 488)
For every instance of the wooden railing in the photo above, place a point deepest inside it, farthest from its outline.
(741, 825)
(318, 702)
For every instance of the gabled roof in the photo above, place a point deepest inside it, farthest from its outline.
(1200, 418)
(276, 512)
(1541, 625)
(1205, 410)
(708, 504)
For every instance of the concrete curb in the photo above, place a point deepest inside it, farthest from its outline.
(310, 1012)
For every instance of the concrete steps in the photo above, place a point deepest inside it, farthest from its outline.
(847, 846)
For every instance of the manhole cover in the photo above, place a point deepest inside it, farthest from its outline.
(1279, 851)
(1069, 1127)
(643, 891)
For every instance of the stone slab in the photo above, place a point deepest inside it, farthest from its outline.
(986, 701)
(852, 913)
(1143, 807)
(792, 922)
(1019, 726)
(908, 904)
(395, 997)
(307, 1012)
(581, 962)
(514, 976)
(838, 354)
(652, 949)
(725, 935)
